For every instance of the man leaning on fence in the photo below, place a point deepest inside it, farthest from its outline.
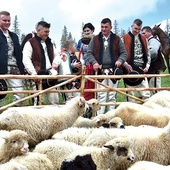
(106, 52)
(10, 55)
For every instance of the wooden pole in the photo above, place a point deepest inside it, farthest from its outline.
(37, 94)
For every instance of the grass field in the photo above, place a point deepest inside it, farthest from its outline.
(120, 98)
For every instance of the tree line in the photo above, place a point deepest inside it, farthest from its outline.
(66, 35)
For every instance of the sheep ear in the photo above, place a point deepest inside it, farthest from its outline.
(81, 103)
(109, 147)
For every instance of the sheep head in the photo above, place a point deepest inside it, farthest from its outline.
(15, 144)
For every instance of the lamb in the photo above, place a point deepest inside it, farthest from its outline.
(80, 163)
(13, 144)
(110, 155)
(147, 144)
(96, 121)
(147, 165)
(42, 125)
(94, 106)
(34, 161)
(162, 98)
(13, 166)
(137, 114)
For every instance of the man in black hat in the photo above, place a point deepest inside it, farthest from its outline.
(10, 54)
(138, 58)
(38, 56)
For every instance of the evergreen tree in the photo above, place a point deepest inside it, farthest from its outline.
(115, 27)
(16, 26)
(64, 36)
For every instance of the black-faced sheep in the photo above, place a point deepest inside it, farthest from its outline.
(109, 156)
(147, 165)
(149, 144)
(80, 163)
(42, 125)
(14, 143)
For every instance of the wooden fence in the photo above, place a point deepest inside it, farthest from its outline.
(83, 77)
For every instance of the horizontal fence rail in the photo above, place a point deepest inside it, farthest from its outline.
(83, 78)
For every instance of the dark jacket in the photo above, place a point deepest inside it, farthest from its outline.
(4, 52)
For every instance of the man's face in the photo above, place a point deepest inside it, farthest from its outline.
(105, 29)
(43, 33)
(146, 33)
(5, 22)
(136, 29)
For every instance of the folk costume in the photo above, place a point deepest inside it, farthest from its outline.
(11, 60)
(138, 57)
(106, 51)
(38, 56)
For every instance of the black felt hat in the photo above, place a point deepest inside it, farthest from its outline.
(117, 71)
(134, 81)
(3, 87)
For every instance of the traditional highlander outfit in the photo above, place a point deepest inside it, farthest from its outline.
(11, 60)
(106, 51)
(38, 56)
(138, 57)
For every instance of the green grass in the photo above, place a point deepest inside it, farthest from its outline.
(120, 97)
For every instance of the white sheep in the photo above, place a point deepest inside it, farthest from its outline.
(94, 106)
(12, 144)
(73, 134)
(34, 161)
(147, 165)
(42, 125)
(96, 121)
(150, 144)
(109, 156)
(137, 114)
(162, 98)
(13, 166)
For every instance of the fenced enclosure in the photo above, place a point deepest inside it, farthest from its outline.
(121, 90)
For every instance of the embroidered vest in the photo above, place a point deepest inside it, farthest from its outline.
(37, 54)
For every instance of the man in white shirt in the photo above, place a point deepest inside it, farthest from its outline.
(38, 55)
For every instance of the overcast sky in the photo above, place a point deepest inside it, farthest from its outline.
(72, 13)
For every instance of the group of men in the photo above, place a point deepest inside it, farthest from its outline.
(106, 52)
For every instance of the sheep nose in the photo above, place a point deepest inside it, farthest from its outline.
(122, 127)
(132, 158)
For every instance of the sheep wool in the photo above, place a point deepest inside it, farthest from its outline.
(13, 166)
(147, 165)
(34, 161)
(41, 125)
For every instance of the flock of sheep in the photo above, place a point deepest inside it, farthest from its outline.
(72, 137)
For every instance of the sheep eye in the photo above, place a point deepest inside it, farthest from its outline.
(14, 141)
(113, 124)
(122, 151)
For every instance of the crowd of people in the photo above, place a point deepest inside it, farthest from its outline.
(138, 52)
